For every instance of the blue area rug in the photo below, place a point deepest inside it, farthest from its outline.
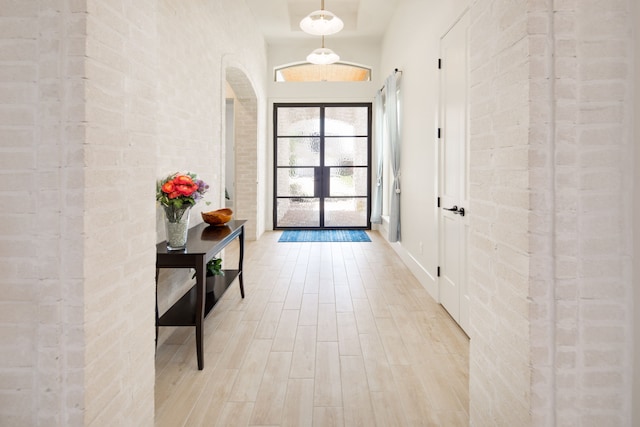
(324, 236)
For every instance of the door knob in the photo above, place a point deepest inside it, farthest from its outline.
(461, 211)
(454, 209)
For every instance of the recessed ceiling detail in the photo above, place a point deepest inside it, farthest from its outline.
(279, 20)
(321, 22)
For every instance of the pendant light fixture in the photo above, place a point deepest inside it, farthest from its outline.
(321, 22)
(323, 56)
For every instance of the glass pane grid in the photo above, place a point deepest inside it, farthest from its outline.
(322, 175)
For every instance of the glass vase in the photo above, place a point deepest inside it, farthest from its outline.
(176, 222)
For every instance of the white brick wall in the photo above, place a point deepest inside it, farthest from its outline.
(41, 357)
(194, 65)
(552, 274)
(597, 131)
(499, 270)
(98, 98)
(119, 239)
(246, 139)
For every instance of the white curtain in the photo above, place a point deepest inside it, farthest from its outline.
(392, 86)
(378, 140)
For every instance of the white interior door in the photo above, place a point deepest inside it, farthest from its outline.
(453, 173)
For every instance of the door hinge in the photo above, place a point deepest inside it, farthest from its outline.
(439, 63)
(438, 201)
(439, 133)
(438, 273)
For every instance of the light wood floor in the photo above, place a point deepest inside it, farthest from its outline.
(329, 334)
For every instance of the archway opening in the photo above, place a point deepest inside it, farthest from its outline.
(242, 140)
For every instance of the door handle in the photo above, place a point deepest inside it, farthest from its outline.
(456, 210)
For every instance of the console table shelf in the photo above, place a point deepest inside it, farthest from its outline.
(183, 312)
(203, 243)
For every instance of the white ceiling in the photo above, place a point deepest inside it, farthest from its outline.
(279, 19)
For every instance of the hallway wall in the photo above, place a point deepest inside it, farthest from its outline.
(550, 272)
(118, 165)
(100, 99)
(551, 149)
(412, 44)
(41, 217)
(501, 193)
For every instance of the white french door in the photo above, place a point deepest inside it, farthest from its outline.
(453, 173)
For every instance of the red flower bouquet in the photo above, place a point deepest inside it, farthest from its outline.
(177, 193)
(180, 190)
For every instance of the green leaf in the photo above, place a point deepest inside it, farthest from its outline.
(214, 268)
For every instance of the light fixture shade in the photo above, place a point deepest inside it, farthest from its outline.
(323, 56)
(321, 23)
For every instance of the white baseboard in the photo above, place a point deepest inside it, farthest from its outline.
(428, 281)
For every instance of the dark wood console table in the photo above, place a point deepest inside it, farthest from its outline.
(203, 243)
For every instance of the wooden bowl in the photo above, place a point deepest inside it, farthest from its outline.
(217, 217)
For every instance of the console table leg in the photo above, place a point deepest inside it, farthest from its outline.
(157, 316)
(199, 349)
(241, 257)
(201, 286)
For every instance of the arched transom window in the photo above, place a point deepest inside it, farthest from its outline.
(338, 72)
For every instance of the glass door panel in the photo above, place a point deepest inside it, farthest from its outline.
(296, 182)
(344, 151)
(348, 182)
(298, 212)
(346, 201)
(298, 151)
(346, 121)
(298, 121)
(345, 212)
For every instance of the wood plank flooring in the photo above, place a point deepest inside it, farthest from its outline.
(329, 334)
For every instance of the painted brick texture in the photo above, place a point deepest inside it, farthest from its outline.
(246, 161)
(555, 246)
(500, 198)
(593, 286)
(119, 238)
(98, 98)
(195, 64)
(41, 116)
